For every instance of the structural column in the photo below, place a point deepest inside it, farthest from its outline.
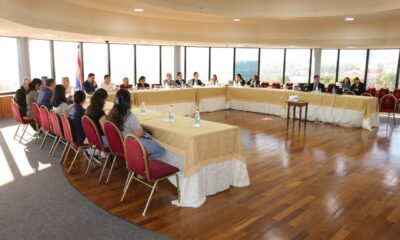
(23, 58)
(317, 61)
(177, 60)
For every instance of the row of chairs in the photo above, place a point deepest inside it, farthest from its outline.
(276, 85)
(137, 163)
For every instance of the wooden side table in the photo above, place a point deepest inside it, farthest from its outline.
(299, 104)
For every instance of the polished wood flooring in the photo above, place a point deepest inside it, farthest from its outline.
(325, 182)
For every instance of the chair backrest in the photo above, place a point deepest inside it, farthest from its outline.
(66, 126)
(366, 94)
(350, 93)
(276, 85)
(372, 91)
(114, 139)
(264, 84)
(388, 102)
(16, 112)
(36, 113)
(330, 87)
(289, 85)
(136, 157)
(44, 118)
(91, 132)
(382, 92)
(55, 123)
(396, 93)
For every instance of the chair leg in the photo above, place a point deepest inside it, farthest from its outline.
(55, 147)
(90, 161)
(55, 143)
(148, 200)
(23, 132)
(394, 118)
(44, 140)
(127, 179)
(73, 161)
(15, 134)
(37, 133)
(111, 168)
(66, 148)
(178, 191)
(127, 186)
(104, 167)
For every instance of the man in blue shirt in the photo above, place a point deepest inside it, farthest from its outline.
(46, 93)
(90, 85)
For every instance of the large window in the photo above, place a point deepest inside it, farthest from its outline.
(297, 65)
(66, 61)
(222, 64)
(246, 62)
(148, 63)
(95, 60)
(352, 64)
(39, 58)
(167, 61)
(9, 65)
(271, 65)
(328, 66)
(197, 61)
(382, 68)
(121, 58)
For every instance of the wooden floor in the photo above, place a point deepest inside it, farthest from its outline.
(327, 182)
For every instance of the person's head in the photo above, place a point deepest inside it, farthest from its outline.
(316, 78)
(97, 102)
(44, 78)
(58, 96)
(346, 80)
(195, 75)
(125, 81)
(107, 79)
(26, 83)
(169, 76)
(357, 81)
(122, 105)
(79, 97)
(65, 82)
(239, 77)
(142, 80)
(35, 84)
(91, 77)
(179, 75)
(214, 77)
(50, 83)
(254, 78)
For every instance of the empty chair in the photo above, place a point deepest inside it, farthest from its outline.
(382, 92)
(289, 85)
(152, 170)
(25, 121)
(330, 87)
(372, 91)
(46, 126)
(58, 132)
(388, 105)
(366, 94)
(350, 93)
(264, 84)
(36, 115)
(276, 85)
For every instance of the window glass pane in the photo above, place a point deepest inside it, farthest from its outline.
(39, 58)
(271, 65)
(167, 61)
(352, 64)
(65, 60)
(297, 65)
(95, 60)
(246, 62)
(328, 66)
(197, 61)
(382, 68)
(148, 63)
(9, 65)
(222, 64)
(122, 63)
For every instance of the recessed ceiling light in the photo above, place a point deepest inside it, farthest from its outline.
(48, 35)
(349, 19)
(236, 19)
(292, 46)
(351, 47)
(98, 40)
(139, 10)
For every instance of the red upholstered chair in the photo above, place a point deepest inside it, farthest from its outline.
(152, 170)
(94, 139)
(289, 85)
(46, 126)
(366, 94)
(330, 87)
(116, 145)
(71, 143)
(372, 91)
(25, 121)
(350, 93)
(58, 131)
(36, 115)
(382, 92)
(276, 85)
(264, 84)
(396, 93)
(388, 105)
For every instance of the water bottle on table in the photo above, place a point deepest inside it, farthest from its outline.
(143, 109)
(197, 119)
(171, 116)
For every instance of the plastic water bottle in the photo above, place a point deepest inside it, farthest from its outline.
(197, 118)
(171, 116)
(143, 109)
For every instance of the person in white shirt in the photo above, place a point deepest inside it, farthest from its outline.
(213, 81)
(107, 84)
(169, 81)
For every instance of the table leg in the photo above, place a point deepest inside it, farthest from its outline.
(294, 115)
(288, 117)
(301, 113)
(305, 120)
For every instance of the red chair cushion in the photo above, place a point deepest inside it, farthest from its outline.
(387, 110)
(27, 120)
(159, 169)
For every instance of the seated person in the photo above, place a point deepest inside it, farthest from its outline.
(169, 81)
(316, 86)
(68, 89)
(142, 83)
(107, 84)
(213, 81)
(195, 81)
(32, 97)
(239, 80)
(20, 96)
(128, 123)
(254, 82)
(45, 94)
(90, 85)
(125, 84)
(75, 116)
(346, 84)
(179, 79)
(59, 101)
(358, 87)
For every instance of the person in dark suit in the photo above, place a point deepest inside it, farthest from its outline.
(46, 93)
(142, 83)
(254, 82)
(358, 87)
(90, 84)
(20, 96)
(179, 79)
(125, 84)
(239, 80)
(195, 81)
(316, 85)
